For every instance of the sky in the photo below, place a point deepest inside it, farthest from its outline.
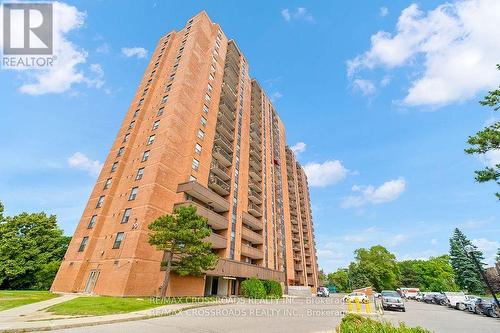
(378, 99)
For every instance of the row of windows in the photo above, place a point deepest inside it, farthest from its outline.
(116, 244)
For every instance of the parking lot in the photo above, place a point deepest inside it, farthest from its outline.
(442, 319)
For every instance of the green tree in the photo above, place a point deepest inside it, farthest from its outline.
(322, 279)
(466, 274)
(377, 265)
(31, 249)
(181, 237)
(433, 274)
(340, 279)
(487, 140)
(358, 277)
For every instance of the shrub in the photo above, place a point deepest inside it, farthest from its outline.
(273, 288)
(253, 288)
(352, 323)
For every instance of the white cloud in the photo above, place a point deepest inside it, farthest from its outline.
(453, 48)
(298, 148)
(398, 239)
(103, 48)
(66, 70)
(365, 86)
(138, 52)
(82, 162)
(98, 80)
(489, 249)
(275, 96)
(388, 191)
(300, 14)
(383, 11)
(326, 173)
(385, 81)
(491, 158)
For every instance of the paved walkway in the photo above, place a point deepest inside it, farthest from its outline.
(31, 317)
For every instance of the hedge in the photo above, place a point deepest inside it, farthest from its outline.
(253, 288)
(352, 323)
(273, 288)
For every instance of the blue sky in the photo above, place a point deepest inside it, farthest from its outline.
(378, 98)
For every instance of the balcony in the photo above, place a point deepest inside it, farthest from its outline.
(209, 197)
(251, 221)
(230, 77)
(222, 156)
(256, 144)
(295, 238)
(294, 221)
(228, 110)
(218, 169)
(255, 186)
(218, 242)
(228, 121)
(218, 185)
(223, 141)
(251, 252)
(254, 197)
(255, 176)
(293, 212)
(227, 96)
(255, 154)
(227, 133)
(215, 221)
(255, 164)
(254, 210)
(251, 236)
(299, 268)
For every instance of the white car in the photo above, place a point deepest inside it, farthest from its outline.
(459, 300)
(470, 303)
(361, 297)
(419, 297)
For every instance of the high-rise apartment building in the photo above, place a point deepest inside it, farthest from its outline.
(199, 132)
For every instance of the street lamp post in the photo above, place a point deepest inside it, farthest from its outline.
(469, 249)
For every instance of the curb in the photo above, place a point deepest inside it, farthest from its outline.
(111, 321)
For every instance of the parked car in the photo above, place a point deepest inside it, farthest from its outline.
(409, 293)
(440, 299)
(470, 303)
(361, 297)
(419, 297)
(322, 292)
(392, 300)
(429, 297)
(487, 306)
(456, 299)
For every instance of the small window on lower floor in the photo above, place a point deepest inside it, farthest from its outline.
(196, 164)
(192, 178)
(126, 215)
(118, 240)
(197, 149)
(92, 222)
(83, 244)
(100, 202)
(139, 174)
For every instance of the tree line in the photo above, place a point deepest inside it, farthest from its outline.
(378, 268)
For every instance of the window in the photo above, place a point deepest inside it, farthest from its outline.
(149, 81)
(136, 113)
(156, 65)
(211, 77)
(197, 149)
(114, 166)
(107, 184)
(196, 164)
(145, 92)
(155, 125)
(207, 97)
(126, 215)
(164, 99)
(151, 139)
(212, 68)
(131, 125)
(171, 78)
(139, 174)
(118, 240)
(209, 88)
(168, 87)
(201, 134)
(83, 244)
(175, 67)
(203, 121)
(160, 112)
(133, 193)
(205, 108)
(100, 201)
(141, 102)
(145, 156)
(92, 222)
(125, 138)
(192, 178)
(120, 151)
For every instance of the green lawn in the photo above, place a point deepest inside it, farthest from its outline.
(104, 305)
(12, 298)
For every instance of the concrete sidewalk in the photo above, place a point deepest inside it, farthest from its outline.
(32, 317)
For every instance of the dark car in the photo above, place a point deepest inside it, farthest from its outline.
(487, 306)
(440, 299)
(428, 297)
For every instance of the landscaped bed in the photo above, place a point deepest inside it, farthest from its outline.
(105, 305)
(13, 298)
(352, 323)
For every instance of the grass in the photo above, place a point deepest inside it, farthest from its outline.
(352, 323)
(105, 305)
(13, 298)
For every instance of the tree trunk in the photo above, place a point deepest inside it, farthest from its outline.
(164, 286)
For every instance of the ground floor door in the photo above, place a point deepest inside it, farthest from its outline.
(92, 280)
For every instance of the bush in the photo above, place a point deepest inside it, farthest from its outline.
(253, 288)
(352, 323)
(273, 288)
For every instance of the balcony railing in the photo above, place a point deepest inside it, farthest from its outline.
(226, 120)
(255, 186)
(222, 156)
(218, 241)
(220, 170)
(223, 142)
(218, 185)
(255, 197)
(251, 236)
(228, 109)
(215, 221)
(251, 252)
(254, 209)
(255, 154)
(255, 164)
(226, 131)
(252, 221)
(299, 268)
(255, 175)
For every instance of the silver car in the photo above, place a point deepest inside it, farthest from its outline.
(392, 300)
